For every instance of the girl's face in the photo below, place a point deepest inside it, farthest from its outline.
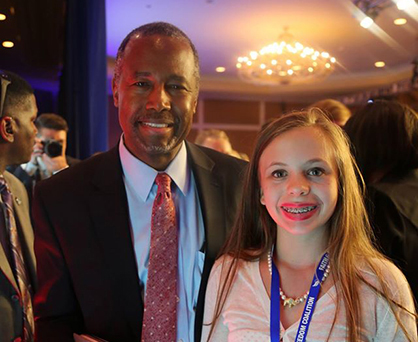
(299, 180)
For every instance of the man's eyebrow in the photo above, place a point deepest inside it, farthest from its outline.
(142, 74)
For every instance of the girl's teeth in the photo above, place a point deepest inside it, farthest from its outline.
(299, 210)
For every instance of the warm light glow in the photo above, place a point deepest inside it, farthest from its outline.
(283, 62)
(404, 4)
(8, 44)
(379, 64)
(220, 69)
(2, 16)
(400, 21)
(366, 22)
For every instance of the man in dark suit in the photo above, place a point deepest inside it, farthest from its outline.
(93, 220)
(17, 260)
(49, 152)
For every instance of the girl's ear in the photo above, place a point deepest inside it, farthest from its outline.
(262, 197)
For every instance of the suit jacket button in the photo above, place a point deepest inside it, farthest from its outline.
(15, 298)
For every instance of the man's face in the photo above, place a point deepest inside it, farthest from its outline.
(45, 134)
(156, 95)
(24, 131)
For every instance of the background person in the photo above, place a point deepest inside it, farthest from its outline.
(337, 111)
(301, 212)
(17, 260)
(49, 152)
(99, 240)
(384, 135)
(219, 141)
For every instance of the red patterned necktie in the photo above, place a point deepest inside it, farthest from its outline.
(19, 263)
(160, 312)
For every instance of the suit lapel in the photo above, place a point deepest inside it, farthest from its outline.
(21, 212)
(209, 186)
(110, 214)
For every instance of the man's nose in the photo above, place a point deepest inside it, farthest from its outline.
(158, 99)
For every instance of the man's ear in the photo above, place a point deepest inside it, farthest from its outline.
(115, 92)
(7, 128)
(262, 201)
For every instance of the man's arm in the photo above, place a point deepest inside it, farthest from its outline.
(55, 305)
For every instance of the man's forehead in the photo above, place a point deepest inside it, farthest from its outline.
(158, 42)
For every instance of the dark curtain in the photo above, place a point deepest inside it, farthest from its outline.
(83, 98)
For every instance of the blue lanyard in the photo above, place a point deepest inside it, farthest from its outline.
(309, 306)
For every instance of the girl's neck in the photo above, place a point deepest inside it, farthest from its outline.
(300, 251)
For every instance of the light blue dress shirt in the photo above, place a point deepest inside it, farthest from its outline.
(141, 190)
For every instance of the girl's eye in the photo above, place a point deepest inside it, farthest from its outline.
(315, 172)
(279, 173)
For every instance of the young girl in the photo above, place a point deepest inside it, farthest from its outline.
(299, 263)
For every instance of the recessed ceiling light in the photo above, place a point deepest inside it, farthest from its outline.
(8, 44)
(220, 69)
(400, 21)
(2, 16)
(379, 64)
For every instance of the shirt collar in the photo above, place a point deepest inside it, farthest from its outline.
(137, 172)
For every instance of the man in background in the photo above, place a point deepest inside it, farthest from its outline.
(49, 152)
(125, 240)
(17, 261)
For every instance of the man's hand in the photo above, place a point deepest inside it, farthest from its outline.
(54, 164)
(38, 149)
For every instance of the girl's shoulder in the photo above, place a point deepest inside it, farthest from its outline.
(380, 270)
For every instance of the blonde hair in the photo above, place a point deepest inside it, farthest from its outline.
(350, 235)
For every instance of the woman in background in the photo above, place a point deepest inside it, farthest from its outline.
(299, 263)
(384, 135)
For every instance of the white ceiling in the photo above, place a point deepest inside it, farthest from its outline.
(222, 30)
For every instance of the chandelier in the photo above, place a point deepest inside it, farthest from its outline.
(285, 62)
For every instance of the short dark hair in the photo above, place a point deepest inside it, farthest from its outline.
(51, 121)
(17, 92)
(152, 29)
(384, 135)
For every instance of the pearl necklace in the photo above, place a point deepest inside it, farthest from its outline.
(287, 301)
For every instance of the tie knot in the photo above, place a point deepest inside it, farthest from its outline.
(163, 181)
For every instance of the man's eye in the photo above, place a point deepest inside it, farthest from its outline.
(176, 86)
(279, 173)
(141, 84)
(316, 172)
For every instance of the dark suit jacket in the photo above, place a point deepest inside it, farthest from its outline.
(88, 279)
(11, 311)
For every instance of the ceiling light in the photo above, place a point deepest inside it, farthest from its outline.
(366, 22)
(379, 64)
(220, 69)
(372, 8)
(8, 44)
(2, 16)
(400, 21)
(285, 61)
